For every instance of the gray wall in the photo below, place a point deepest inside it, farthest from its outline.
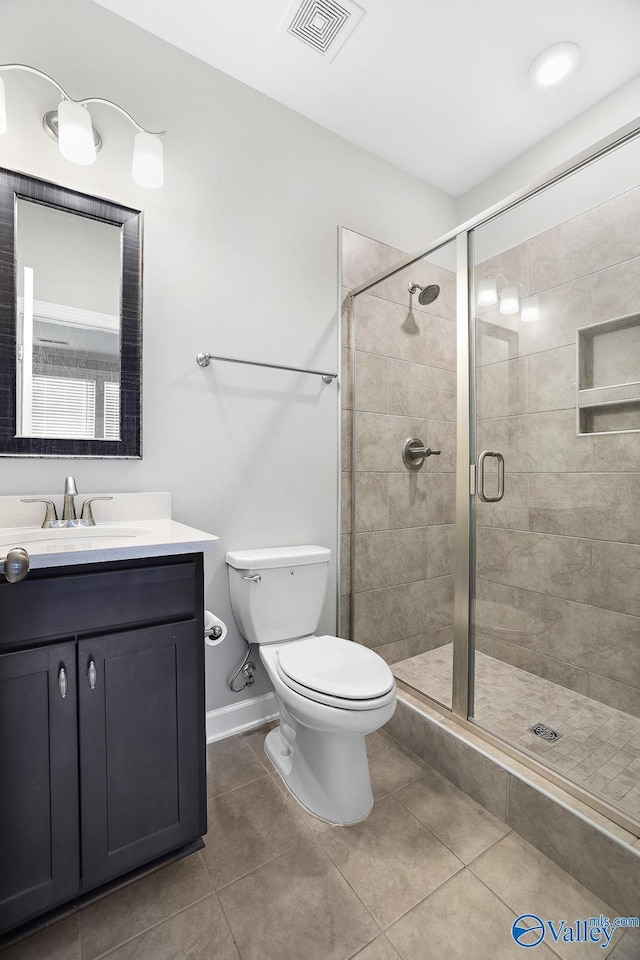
(559, 558)
(240, 258)
(403, 520)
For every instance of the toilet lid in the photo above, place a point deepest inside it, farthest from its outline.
(336, 667)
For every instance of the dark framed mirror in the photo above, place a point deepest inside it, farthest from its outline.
(70, 323)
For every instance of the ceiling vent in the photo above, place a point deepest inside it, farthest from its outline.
(323, 25)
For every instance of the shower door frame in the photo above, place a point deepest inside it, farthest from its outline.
(464, 573)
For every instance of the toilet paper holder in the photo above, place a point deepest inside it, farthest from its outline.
(215, 630)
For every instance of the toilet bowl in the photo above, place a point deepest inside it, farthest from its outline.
(330, 692)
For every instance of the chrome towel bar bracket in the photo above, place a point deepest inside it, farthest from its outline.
(203, 360)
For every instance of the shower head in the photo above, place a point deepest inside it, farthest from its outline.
(427, 294)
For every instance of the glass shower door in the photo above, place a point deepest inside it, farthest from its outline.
(556, 586)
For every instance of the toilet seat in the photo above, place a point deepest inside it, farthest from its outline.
(336, 672)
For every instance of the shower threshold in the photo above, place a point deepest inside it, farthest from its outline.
(598, 747)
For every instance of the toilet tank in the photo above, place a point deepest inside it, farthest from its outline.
(284, 596)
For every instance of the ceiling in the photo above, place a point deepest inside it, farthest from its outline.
(440, 89)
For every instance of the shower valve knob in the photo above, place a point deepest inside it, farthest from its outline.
(414, 453)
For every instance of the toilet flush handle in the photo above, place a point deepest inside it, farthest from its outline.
(255, 578)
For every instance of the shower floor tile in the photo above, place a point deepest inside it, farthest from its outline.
(598, 747)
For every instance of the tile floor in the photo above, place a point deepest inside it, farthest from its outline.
(430, 875)
(599, 746)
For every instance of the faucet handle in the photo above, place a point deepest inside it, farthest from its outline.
(70, 488)
(86, 515)
(50, 516)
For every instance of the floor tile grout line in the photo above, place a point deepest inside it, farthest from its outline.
(611, 910)
(217, 796)
(101, 956)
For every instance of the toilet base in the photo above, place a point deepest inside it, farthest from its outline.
(328, 774)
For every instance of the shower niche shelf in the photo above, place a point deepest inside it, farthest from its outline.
(608, 380)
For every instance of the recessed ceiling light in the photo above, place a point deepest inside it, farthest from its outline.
(555, 64)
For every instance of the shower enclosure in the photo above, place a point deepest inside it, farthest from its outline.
(496, 565)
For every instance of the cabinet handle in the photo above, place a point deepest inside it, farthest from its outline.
(62, 681)
(92, 673)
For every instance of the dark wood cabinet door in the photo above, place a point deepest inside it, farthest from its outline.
(142, 780)
(39, 832)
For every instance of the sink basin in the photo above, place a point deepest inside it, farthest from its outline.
(81, 535)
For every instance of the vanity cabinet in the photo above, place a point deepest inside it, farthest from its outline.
(102, 753)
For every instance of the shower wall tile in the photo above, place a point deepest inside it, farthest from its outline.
(509, 268)
(615, 694)
(411, 646)
(345, 497)
(422, 273)
(600, 641)
(617, 453)
(615, 292)
(440, 550)
(615, 576)
(372, 502)
(390, 557)
(441, 435)
(345, 566)
(346, 317)
(380, 440)
(538, 443)
(561, 311)
(497, 337)
(363, 258)
(502, 389)
(551, 380)
(389, 330)
(601, 237)
(406, 610)
(346, 439)
(345, 606)
(441, 343)
(557, 671)
(551, 565)
(346, 387)
(372, 382)
(512, 512)
(421, 499)
(547, 443)
(600, 506)
(421, 391)
(609, 869)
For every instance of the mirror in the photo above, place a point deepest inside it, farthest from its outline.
(70, 323)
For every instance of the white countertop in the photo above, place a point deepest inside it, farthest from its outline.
(117, 538)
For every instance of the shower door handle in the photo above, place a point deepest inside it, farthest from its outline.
(481, 461)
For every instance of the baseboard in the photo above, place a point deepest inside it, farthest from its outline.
(238, 717)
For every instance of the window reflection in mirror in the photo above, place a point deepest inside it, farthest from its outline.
(68, 324)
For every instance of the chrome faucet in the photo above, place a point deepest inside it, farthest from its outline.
(69, 516)
(69, 505)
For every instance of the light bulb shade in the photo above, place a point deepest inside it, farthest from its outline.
(75, 134)
(147, 167)
(487, 292)
(509, 301)
(530, 310)
(3, 108)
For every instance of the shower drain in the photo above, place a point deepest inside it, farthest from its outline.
(545, 732)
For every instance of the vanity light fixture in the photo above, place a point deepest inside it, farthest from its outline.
(487, 292)
(79, 141)
(509, 302)
(554, 64)
(530, 312)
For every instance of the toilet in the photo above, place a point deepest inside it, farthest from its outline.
(330, 692)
